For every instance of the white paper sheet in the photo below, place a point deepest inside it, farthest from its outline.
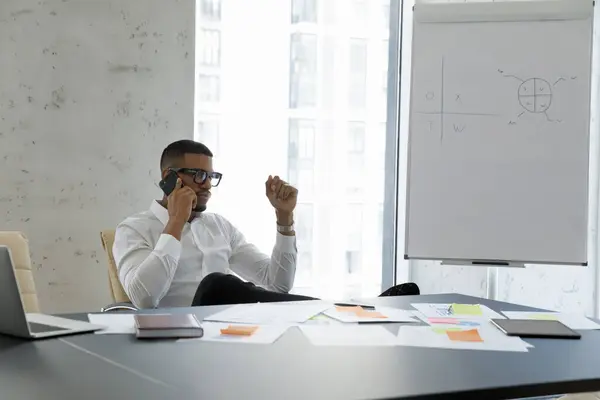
(436, 337)
(391, 314)
(267, 313)
(445, 310)
(115, 323)
(265, 334)
(348, 335)
(573, 321)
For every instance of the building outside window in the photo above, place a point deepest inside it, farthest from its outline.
(304, 11)
(303, 70)
(356, 157)
(208, 133)
(357, 89)
(208, 88)
(210, 10)
(209, 47)
(298, 102)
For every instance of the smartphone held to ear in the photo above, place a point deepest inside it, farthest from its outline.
(168, 184)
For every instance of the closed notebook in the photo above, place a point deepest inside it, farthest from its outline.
(166, 321)
(163, 326)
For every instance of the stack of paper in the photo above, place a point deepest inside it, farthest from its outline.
(463, 323)
(115, 323)
(573, 321)
(459, 311)
(348, 335)
(236, 333)
(484, 337)
(266, 313)
(359, 314)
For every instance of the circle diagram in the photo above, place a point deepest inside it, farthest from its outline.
(535, 95)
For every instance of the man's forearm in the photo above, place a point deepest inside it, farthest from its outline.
(285, 219)
(174, 228)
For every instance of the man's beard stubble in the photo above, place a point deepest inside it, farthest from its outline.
(200, 208)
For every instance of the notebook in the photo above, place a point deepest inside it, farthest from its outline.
(167, 326)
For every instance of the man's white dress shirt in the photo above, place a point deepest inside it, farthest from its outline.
(157, 270)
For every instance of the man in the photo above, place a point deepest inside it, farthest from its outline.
(176, 254)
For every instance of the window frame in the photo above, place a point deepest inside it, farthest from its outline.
(391, 267)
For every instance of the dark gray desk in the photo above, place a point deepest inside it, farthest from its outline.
(120, 367)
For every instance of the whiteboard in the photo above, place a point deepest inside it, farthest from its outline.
(498, 141)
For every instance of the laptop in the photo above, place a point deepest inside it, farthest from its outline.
(13, 319)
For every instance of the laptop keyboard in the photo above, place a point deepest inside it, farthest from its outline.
(41, 328)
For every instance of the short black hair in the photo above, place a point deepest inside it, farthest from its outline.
(176, 150)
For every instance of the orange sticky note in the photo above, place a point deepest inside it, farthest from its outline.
(471, 335)
(369, 314)
(354, 309)
(240, 330)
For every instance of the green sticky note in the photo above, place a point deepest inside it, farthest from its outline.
(466, 309)
(547, 317)
(444, 330)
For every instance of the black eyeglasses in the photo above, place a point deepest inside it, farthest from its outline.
(200, 175)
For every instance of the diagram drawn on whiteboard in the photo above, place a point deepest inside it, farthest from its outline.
(535, 95)
(448, 104)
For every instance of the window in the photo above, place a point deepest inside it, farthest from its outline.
(304, 270)
(304, 225)
(210, 10)
(209, 47)
(354, 239)
(208, 133)
(356, 138)
(356, 157)
(359, 13)
(304, 11)
(379, 144)
(358, 74)
(385, 13)
(303, 70)
(301, 148)
(380, 222)
(209, 88)
(353, 262)
(384, 71)
(294, 116)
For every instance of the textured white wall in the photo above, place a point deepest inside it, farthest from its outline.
(90, 93)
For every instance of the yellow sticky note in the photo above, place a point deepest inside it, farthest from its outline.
(466, 309)
(443, 331)
(547, 317)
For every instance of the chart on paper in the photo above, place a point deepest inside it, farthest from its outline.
(498, 144)
(448, 108)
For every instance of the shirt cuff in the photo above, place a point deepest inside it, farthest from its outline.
(168, 245)
(286, 244)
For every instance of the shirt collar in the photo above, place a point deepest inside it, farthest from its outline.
(163, 214)
(160, 212)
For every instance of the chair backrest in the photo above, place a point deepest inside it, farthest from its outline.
(19, 247)
(116, 289)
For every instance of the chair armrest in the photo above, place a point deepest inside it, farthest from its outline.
(116, 307)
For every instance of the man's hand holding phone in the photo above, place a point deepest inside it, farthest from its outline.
(180, 204)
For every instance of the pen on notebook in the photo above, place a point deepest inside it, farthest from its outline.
(366, 307)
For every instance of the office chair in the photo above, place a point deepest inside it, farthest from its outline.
(120, 300)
